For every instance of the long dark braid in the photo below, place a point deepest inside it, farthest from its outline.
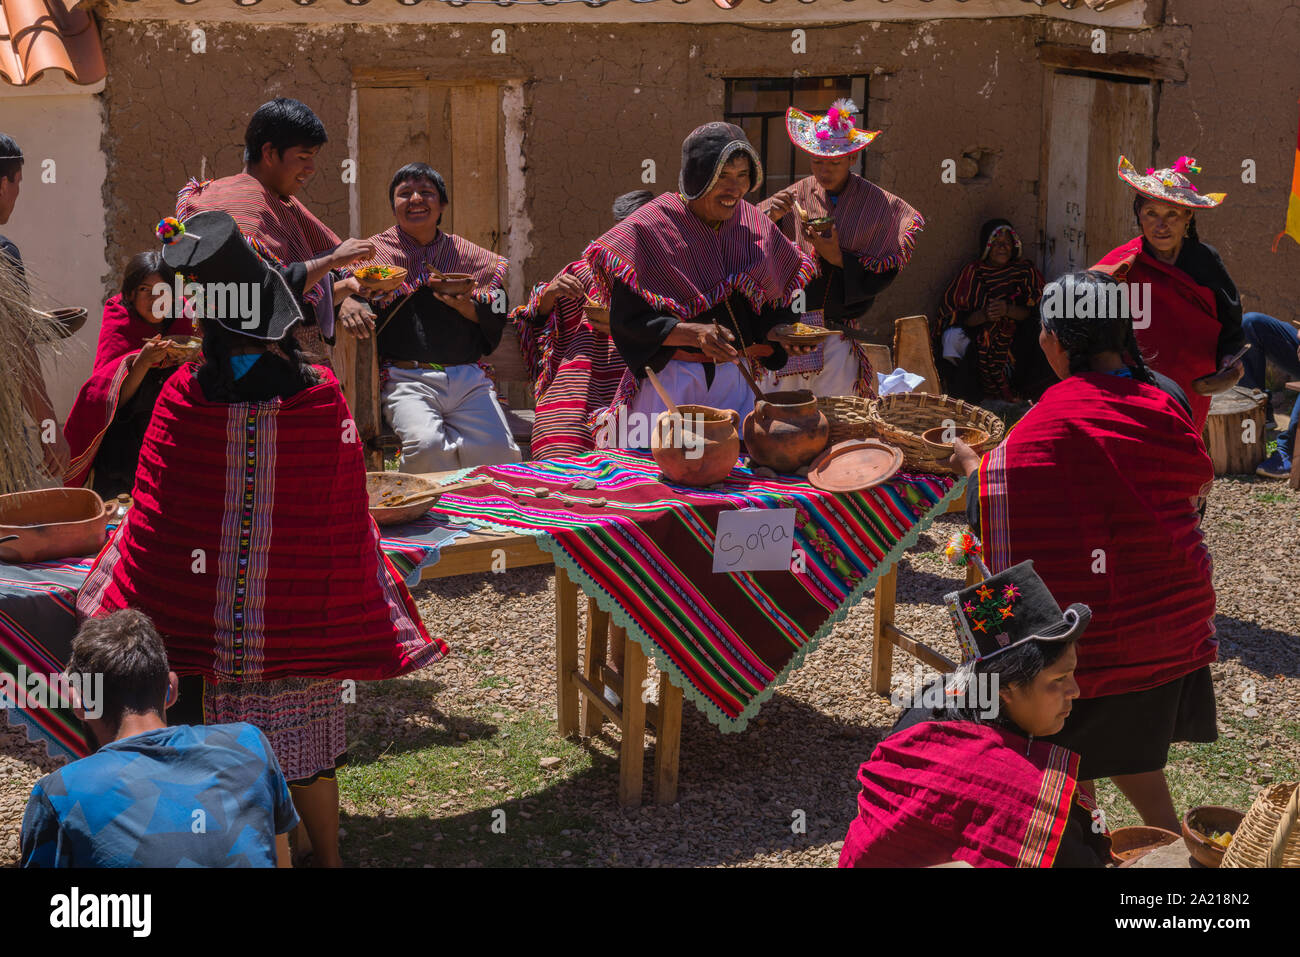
(1085, 337)
(217, 375)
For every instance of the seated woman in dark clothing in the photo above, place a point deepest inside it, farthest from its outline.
(988, 323)
(961, 776)
(132, 361)
(1100, 485)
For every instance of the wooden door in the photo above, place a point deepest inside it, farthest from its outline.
(1091, 120)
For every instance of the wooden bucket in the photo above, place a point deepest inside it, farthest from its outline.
(1234, 431)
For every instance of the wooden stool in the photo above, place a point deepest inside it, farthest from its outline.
(913, 352)
(1234, 431)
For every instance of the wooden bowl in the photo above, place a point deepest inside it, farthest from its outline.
(452, 283)
(820, 224)
(52, 523)
(1200, 822)
(597, 315)
(936, 438)
(185, 348)
(370, 278)
(1127, 844)
(388, 486)
(68, 320)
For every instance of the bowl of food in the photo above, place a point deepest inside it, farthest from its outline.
(378, 278)
(820, 224)
(67, 321)
(1208, 830)
(1127, 844)
(452, 283)
(597, 315)
(184, 348)
(943, 437)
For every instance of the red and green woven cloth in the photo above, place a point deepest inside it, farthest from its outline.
(646, 557)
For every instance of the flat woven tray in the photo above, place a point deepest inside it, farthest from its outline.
(900, 420)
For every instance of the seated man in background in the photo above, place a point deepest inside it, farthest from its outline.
(154, 796)
(437, 397)
(1280, 341)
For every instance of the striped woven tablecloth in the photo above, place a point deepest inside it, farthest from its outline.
(727, 640)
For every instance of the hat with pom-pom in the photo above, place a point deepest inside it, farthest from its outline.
(831, 135)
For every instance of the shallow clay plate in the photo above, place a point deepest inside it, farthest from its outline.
(452, 283)
(855, 465)
(370, 277)
(785, 333)
(937, 437)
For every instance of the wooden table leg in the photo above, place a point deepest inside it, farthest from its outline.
(592, 659)
(566, 652)
(617, 637)
(973, 574)
(668, 737)
(882, 645)
(631, 760)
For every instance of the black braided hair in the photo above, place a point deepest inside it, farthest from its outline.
(1017, 666)
(217, 376)
(1140, 200)
(1086, 336)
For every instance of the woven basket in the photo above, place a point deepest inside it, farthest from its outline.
(1268, 835)
(849, 416)
(900, 420)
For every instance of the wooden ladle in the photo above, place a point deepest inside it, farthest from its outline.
(663, 394)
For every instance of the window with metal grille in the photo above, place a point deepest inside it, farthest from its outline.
(758, 104)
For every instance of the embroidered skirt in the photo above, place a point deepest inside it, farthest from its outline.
(301, 717)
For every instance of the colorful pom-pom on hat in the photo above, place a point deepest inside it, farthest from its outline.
(169, 229)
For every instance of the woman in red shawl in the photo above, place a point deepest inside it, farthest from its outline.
(1190, 325)
(1100, 484)
(132, 362)
(575, 366)
(989, 323)
(250, 543)
(965, 775)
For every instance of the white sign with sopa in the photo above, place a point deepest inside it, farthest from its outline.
(754, 540)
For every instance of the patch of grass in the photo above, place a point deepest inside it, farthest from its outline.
(1218, 773)
(444, 801)
(1272, 498)
(493, 681)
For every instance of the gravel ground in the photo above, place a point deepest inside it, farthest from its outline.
(740, 793)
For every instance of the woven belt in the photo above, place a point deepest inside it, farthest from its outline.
(412, 364)
(754, 352)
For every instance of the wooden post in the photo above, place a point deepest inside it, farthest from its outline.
(593, 657)
(668, 739)
(631, 761)
(882, 644)
(566, 653)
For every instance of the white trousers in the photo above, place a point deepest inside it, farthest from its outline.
(684, 382)
(447, 420)
(838, 375)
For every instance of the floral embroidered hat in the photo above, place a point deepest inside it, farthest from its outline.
(831, 135)
(1009, 609)
(1170, 185)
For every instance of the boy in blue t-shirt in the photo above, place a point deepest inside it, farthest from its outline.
(153, 795)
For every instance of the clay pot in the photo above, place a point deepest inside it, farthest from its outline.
(786, 430)
(53, 523)
(699, 447)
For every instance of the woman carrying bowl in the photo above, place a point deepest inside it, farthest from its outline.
(1191, 326)
(432, 336)
(697, 280)
(1101, 485)
(133, 361)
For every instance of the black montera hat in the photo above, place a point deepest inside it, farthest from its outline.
(1008, 609)
(248, 295)
(707, 150)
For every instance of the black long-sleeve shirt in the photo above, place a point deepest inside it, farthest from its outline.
(845, 293)
(424, 329)
(639, 330)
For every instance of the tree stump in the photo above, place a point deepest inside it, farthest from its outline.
(1234, 431)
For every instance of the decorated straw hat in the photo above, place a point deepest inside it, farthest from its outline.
(1170, 185)
(831, 135)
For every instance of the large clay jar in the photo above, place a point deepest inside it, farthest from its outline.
(698, 447)
(786, 430)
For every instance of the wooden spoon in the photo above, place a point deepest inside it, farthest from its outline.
(654, 381)
(749, 377)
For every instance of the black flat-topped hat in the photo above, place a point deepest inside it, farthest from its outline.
(1008, 609)
(248, 295)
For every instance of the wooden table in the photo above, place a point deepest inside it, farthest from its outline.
(590, 692)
